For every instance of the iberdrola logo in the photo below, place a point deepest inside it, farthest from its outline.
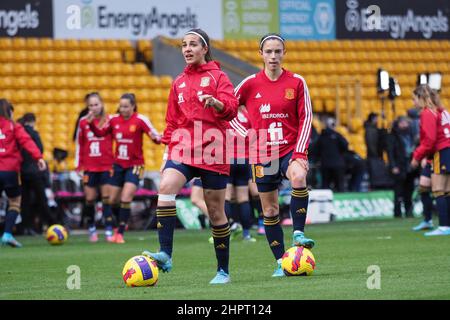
(80, 17)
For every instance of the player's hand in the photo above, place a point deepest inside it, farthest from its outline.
(157, 139)
(302, 162)
(395, 170)
(423, 163)
(414, 163)
(210, 101)
(90, 116)
(42, 165)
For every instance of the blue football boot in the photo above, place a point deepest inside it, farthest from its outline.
(278, 271)
(221, 278)
(424, 225)
(9, 240)
(441, 231)
(163, 260)
(300, 240)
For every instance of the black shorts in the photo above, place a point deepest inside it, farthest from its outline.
(10, 182)
(210, 179)
(268, 175)
(122, 175)
(240, 172)
(441, 162)
(95, 179)
(197, 182)
(426, 171)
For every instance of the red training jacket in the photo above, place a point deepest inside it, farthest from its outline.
(13, 135)
(92, 153)
(195, 134)
(127, 133)
(434, 133)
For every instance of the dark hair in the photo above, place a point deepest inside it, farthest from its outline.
(29, 117)
(270, 36)
(208, 56)
(130, 97)
(6, 109)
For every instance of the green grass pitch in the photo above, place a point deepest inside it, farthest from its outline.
(411, 265)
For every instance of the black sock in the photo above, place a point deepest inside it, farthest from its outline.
(10, 219)
(274, 235)
(221, 236)
(299, 208)
(447, 196)
(441, 203)
(235, 217)
(115, 209)
(256, 205)
(89, 212)
(125, 209)
(245, 215)
(228, 210)
(107, 214)
(202, 219)
(167, 218)
(427, 203)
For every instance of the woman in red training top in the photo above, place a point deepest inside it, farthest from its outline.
(435, 143)
(94, 158)
(127, 129)
(280, 114)
(201, 102)
(13, 135)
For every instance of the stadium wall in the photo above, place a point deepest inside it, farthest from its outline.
(226, 19)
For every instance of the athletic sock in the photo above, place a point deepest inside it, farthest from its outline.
(89, 211)
(115, 209)
(107, 215)
(245, 215)
(167, 218)
(221, 236)
(228, 210)
(125, 209)
(427, 202)
(299, 208)
(274, 235)
(10, 219)
(441, 203)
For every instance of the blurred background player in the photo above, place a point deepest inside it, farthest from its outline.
(127, 130)
(198, 200)
(400, 146)
(13, 136)
(201, 97)
(34, 202)
(435, 141)
(425, 196)
(279, 109)
(240, 174)
(94, 159)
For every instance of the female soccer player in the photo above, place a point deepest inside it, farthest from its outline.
(435, 141)
(280, 114)
(240, 174)
(94, 158)
(127, 129)
(13, 136)
(201, 102)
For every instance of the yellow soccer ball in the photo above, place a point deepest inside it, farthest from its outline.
(56, 234)
(298, 261)
(140, 271)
